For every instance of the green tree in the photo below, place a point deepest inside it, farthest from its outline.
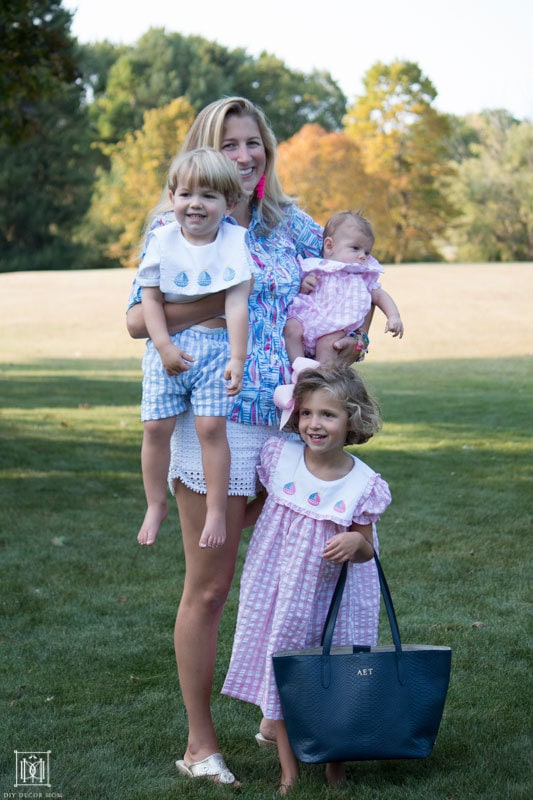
(403, 141)
(45, 186)
(163, 66)
(291, 99)
(37, 61)
(126, 193)
(494, 189)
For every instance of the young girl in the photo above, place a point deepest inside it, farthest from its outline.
(198, 254)
(338, 291)
(321, 507)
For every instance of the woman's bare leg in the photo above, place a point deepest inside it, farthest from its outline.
(208, 577)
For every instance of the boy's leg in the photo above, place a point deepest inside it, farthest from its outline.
(216, 465)
(155, 460)
(293, 333)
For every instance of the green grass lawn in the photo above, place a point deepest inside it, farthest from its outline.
(87, 665)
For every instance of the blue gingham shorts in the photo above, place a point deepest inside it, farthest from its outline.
(201, 387)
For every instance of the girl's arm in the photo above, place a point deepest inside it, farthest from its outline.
(236, 308)
(354, 545)
(179, 316)
(384, 301)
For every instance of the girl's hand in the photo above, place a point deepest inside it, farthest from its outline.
(350, 546)
(175, 360)
(309, 283)
(394, 325)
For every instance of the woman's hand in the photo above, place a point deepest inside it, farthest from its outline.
(351, 349)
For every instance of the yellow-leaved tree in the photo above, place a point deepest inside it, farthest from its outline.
(126, 193)
(324, 171)
(403, 141)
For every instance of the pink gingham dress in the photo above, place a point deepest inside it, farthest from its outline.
(286, 585)
(341, 300)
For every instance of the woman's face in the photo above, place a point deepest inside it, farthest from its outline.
(242, 143)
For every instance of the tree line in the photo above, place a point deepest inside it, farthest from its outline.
(87, 132)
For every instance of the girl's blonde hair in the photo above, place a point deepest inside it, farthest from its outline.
(207, 130)
(206, 167)
(347, 387)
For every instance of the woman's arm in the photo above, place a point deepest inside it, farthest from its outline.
(179, 316)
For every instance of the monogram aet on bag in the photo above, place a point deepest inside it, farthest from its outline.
(351, 703)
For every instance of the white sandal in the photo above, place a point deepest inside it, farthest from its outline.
(213, 767)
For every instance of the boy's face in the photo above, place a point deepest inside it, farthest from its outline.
(348, 244)
(199, 211)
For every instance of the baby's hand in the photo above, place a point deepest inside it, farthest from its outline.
(309, 283)
(233, 375)
(394, 325)
(175, 360)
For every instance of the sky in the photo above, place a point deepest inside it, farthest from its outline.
(477, 53)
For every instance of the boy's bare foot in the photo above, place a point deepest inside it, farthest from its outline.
(335, 773)
(155, 515)
(214, 532)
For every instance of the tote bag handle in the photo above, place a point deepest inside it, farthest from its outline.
(331, 619)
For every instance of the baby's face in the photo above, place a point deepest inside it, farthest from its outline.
(349, 244)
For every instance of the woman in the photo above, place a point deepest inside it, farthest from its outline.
(277, 233)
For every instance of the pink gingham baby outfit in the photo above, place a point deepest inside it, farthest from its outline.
(286, 585)
(341, 300)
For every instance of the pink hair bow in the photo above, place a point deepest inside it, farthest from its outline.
(283, 395)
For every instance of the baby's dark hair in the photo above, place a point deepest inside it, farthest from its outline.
(337, 220)
(347, 387)
(206, 167)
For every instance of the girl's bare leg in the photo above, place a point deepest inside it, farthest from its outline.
(216, 465)
(325, 352)
(290, 770)
(208, 577)
(335, 773)
(293, 333)
(155, 460)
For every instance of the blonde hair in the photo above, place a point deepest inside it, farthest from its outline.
(207, 130)
(337, 221)
(347, 387)
(206, 167)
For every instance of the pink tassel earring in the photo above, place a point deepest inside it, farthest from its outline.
(260, 188)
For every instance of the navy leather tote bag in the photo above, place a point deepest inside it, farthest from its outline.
(352, 703)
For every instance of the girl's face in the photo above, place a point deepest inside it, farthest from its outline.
(349, 244)
(199, 211)
(322, 422)
(242, 143)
